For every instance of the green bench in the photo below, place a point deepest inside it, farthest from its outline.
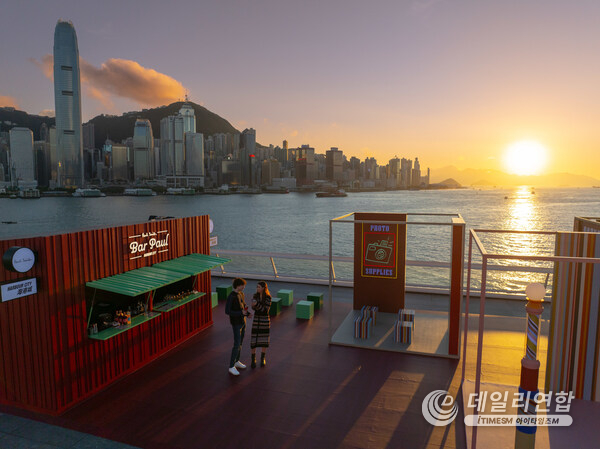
(214, 298)
(275, 307)
(305, 310)
(223, 291)
(287, 297)
(316, 298)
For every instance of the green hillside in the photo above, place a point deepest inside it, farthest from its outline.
(118, 128)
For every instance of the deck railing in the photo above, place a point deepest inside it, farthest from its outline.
(273, 259)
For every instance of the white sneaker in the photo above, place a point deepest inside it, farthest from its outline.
(240, 365)
(234, 371)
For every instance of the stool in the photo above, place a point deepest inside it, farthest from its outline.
(403, 331)
(407, 315)
(287, 297)
(275, 307)
(305, 310)
(223, 291)
(316, 298)
(214, 298)
(363, 325)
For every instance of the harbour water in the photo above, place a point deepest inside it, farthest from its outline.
(299, 222)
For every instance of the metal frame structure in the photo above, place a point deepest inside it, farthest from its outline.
(456, 221)
(485, 255)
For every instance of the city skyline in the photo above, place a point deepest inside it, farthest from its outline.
(455, 83)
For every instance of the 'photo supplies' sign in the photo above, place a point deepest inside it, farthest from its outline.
(379, 251)
(18, 289)
(147, 244)
(379, 261)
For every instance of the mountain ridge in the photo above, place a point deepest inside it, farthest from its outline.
(119, 127)
(488, 177)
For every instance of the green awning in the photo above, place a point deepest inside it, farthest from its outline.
(192, 264)
(137, 282)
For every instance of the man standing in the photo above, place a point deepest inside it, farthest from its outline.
(238, 311)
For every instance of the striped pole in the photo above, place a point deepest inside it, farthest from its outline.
(530, 367)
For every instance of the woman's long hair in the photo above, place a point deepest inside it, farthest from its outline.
(266, 291)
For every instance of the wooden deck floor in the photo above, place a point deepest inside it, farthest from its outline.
(310, 395)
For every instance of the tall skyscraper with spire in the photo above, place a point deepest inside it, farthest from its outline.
(67, 103)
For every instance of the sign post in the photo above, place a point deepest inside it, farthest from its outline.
(380, 262)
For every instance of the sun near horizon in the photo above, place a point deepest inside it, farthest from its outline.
(525, 158)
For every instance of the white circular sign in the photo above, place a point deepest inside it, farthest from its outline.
(21, 259)
(211, 226)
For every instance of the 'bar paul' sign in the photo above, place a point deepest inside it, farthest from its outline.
(147, 244)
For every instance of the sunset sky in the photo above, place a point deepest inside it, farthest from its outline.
(452, 82)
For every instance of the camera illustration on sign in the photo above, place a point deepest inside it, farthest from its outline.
(379, 252)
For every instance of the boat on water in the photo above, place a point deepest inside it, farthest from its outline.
(331, 194)
(88, 193)
(139, 192)
(29, 194)
(271, 189)
(180, 191)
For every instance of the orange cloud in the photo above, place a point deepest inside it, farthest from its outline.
(6, 100)
(47, 112)
(46, 65)
(129, 79)
(122, 78)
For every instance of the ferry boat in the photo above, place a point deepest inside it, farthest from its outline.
(29, 194)
(88, 193)
(139, 192)
(271, 189)
(333, 194)
(180, 191)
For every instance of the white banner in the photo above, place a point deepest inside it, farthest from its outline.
(18, 289)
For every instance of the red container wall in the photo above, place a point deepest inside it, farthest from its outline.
(47, 362)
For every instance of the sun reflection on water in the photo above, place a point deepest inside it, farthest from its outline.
(522, 214)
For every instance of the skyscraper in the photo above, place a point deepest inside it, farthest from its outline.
(21, 156)
(143, 150)
(334, 165)
(67, 104)
(248, 148)
(172, 138)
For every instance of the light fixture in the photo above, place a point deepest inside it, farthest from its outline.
(535, 291)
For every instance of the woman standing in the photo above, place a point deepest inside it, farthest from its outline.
(261, 303)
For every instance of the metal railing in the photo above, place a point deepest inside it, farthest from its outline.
(277, 275)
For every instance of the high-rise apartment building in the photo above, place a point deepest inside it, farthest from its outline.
(119, 162)
(405, 173)
(416, 174)
(143, 150)
(270, 169)
(334, 160)
(247, 154)
(172, 137)
(41, 152)
(189, 118)
(395, 171)
(370, 168)
(67, 105)
(88, 138)
(44, 136)
(22, 165)
(306, 170)
(194, 154)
